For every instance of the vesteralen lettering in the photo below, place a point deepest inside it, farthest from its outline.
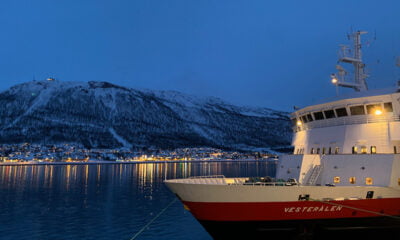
(310, 209)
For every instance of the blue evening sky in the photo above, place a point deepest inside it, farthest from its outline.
(256, 52)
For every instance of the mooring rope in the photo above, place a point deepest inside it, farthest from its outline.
(152, 220)
(357, 209)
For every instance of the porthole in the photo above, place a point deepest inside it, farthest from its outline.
(352, 180)
(337, 149)
(373, 149)
(336, 179)
(369, 181)
(364, 150)
(354, 150)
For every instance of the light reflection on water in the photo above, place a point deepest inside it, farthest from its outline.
(112, 201)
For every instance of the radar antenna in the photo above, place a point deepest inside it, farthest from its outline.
(355, 58)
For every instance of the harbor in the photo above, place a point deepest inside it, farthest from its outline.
(75, 201)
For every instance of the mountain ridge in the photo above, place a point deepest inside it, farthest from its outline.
(102, 114)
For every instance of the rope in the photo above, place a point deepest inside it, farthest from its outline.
(357, 209)
(152, 220)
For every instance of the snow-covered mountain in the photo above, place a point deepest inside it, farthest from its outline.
(104, 115)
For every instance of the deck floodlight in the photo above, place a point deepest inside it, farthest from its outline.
(334, 78)
(378, 112)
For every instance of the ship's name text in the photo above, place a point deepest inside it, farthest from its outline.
(313, 209)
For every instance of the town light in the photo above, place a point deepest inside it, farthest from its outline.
(299, 123)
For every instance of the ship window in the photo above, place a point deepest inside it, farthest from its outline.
(394, 150)
(373, 107)
(369, 181)
(341, 112)
(373, 149)
(312, 151)
(354, 150)
(357, 110)
(352, 180)
(323, 151)
(304, 119)
(330, 150)
(364, 150)
(388, 107)
(318, 150)
(318, 115)
(309, 118)
(337, 150)
(329, 114)
(336, 179)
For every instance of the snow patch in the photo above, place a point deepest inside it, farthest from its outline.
(119, 138)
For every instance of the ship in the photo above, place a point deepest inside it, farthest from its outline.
(342, 180)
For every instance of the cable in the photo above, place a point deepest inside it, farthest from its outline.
(357, 209)
(152, 220)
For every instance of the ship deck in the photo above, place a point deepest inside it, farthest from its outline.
(222, 180)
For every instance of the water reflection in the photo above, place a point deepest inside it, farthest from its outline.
(110, 201)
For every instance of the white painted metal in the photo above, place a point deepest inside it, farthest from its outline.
(209, 192)
(315, 174)
(381, 131)
(356, 60)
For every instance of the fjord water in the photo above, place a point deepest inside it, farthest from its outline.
(108, 201)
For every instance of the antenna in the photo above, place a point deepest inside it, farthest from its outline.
(355, 58)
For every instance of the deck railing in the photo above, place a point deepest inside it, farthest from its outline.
(267, 184)
(209, 176)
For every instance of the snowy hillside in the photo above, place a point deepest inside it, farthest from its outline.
(101, 114)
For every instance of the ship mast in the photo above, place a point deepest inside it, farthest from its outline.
(346, 56)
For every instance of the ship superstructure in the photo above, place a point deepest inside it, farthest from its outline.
(342, 180)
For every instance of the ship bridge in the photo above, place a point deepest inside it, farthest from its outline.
(360, 123)
(348, 140)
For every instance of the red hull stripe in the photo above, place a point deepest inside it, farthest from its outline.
(273, 211)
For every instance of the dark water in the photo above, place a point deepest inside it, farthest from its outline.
(103, 201)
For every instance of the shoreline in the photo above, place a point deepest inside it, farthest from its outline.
(131, 162)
